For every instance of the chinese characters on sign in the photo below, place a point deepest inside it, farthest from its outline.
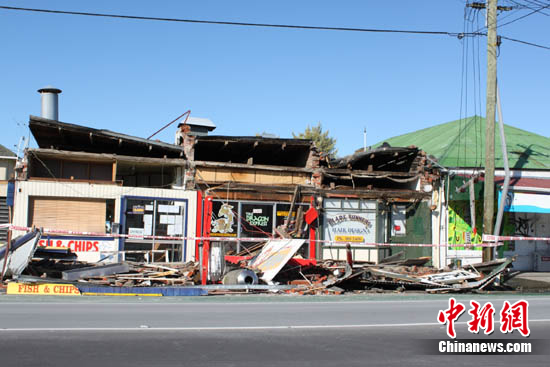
(512, 317)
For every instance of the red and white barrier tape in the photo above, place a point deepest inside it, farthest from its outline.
(492, 238)
(235, 239)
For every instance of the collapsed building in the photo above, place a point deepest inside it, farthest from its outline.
(112, 197)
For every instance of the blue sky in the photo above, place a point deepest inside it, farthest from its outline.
(135, 76)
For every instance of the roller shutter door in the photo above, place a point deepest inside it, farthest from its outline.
(75, 214)
(4, 218)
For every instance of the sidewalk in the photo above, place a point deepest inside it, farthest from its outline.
(530, 281)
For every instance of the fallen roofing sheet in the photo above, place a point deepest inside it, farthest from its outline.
(20, 253)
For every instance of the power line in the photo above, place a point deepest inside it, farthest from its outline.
(264, 25)
(525, 42)
(530, 7)
(245, 24)
(516, 9)
(524, 16)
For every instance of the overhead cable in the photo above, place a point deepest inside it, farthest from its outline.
(245, 24)
(525, 42)
(459, 35)
(524, 16)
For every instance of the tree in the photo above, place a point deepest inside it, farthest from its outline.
(321, 139)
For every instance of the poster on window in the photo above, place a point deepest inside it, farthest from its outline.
(224, 219)
(257, 220)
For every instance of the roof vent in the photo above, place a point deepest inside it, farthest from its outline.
(198, 125)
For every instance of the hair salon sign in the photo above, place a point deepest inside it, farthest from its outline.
(350, 227)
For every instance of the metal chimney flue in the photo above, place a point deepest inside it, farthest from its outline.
(50, 102)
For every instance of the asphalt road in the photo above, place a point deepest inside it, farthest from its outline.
(261, 331)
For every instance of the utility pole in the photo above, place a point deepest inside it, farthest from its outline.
(489, 187)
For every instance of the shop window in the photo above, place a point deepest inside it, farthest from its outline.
(154, 217)
(350, 204)
(281, 215)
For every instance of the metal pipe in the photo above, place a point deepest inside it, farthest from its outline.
(506, 168)
(349, 255)
(447, 218)
(188, 112)
(439, 219)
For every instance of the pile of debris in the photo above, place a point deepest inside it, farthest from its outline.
(61, 263)
(275, 267)
(471, 278)
(130, 274)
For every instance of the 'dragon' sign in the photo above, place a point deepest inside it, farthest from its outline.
(223, 219)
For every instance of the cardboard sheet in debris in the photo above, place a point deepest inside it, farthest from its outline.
(275, 254)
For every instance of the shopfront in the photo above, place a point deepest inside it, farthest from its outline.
(527, 215)
(89, 219)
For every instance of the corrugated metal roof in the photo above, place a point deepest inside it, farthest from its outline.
(461, 143)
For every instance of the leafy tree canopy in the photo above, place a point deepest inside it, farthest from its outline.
(321, 138)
